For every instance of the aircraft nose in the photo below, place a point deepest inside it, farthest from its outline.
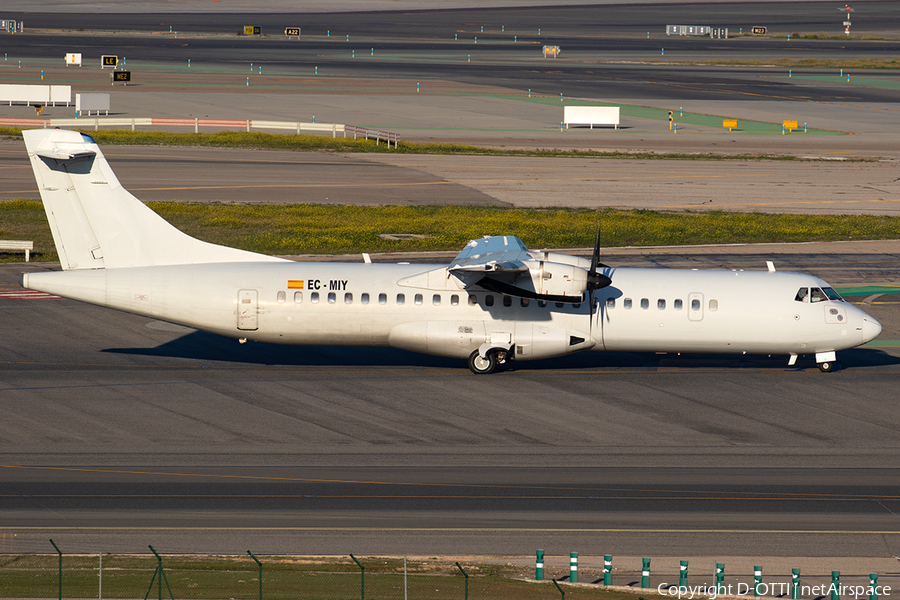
(871, 329)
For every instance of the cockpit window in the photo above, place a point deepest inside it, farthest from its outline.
(832, 295)
(802, 295)
(817, 295)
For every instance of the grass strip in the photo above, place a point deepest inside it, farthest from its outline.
(270, 141)
(328, 229)
(283, 577)
(288, 577)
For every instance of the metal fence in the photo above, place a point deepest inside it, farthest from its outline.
(196, 122)
(256, 577)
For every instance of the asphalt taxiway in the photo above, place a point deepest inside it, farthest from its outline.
(126, 429)
(286, 177)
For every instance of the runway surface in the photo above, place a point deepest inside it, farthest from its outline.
(119, 429)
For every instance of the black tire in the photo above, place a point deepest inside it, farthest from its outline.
(826, 367)
(482, 366)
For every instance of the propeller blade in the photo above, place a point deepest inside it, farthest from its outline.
(595, 257)
(596, 280)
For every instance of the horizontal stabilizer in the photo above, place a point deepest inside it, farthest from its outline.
(61, 156)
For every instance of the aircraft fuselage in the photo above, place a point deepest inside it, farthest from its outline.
(423, 308)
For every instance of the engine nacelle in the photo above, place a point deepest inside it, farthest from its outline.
(556, 279)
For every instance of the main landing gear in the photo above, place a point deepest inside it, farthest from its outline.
(488, 364)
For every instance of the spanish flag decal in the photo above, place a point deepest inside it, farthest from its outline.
(295, 284)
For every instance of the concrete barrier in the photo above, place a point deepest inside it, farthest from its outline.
(591, 115)
(247, 124)
(35, 94)
(91, 102)
(27, 246)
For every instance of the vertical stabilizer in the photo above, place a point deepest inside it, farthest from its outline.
(96, 223)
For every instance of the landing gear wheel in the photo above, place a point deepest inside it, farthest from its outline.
(483, 366)
(826, 367)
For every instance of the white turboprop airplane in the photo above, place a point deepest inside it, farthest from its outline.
(496, 302)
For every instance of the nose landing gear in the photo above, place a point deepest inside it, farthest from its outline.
(826, 367)
(825, 360)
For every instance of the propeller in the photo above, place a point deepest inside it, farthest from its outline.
(596, 280)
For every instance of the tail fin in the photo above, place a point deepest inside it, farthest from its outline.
(96, 223)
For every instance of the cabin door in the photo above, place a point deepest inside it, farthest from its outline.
(248, 310)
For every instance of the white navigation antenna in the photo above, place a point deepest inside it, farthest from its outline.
(848, 8)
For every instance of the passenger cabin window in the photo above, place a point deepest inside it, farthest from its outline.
(645, 304)
(576, 306)
(610, 303)
(401, 299)
(298, 297)
(507, 300)
(542, 303)
(436, 299)
(678, 304)
(314, 297)
(364, 298)
(348, 298)
(626, 303)
(382, 298)
(281, 296)
(418, 299)
(332, 297)
(524, 302)
(802, 295)
(713, 305)
(454, 300)
(489, 300)
(472, 300)
(695, 304)
(661, 304)
(560, 305)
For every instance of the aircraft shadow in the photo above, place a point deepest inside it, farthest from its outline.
(200, 345)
